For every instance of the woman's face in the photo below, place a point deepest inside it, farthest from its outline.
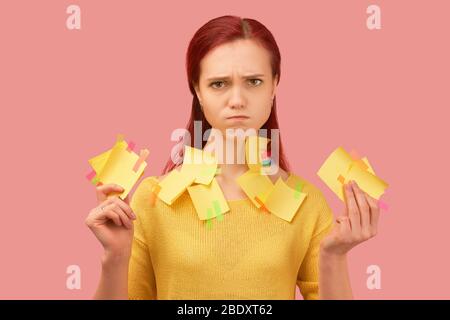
(236, 80)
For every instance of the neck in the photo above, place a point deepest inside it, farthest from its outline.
(231, 161)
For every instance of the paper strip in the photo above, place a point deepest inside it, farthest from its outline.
(91, 175)
(131, 146)
(143, 155)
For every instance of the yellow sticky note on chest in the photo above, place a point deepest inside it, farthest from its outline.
(254, 185)
(283, 201)
(208, 200)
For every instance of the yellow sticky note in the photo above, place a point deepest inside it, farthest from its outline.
(254, 184)
(254, 147)
(173, 185)
(368, 182)
(208, 197)
(369, 167)
(118, 168)
(98, 162)
(284, 201)
(199, 164)
(338, 163)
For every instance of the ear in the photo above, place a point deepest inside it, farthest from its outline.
(197, 92)
(275, 85)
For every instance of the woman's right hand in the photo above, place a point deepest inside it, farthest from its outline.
(111, 221)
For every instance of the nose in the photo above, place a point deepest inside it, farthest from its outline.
(237, 100)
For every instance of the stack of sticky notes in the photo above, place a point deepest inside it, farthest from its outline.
(197, 176)
(119, 165)
(341, 167)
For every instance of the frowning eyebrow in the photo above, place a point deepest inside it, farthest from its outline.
(260, 75)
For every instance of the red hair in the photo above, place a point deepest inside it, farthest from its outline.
(214, 33)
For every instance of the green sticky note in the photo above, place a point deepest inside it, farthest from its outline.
(209, 215)
(216, 206)
(298, 189)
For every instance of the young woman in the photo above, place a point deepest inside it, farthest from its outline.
(165, 252)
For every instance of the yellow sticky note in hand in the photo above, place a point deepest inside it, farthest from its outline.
(199, 164)
(369, 167)
(122, 167)
(340, 168)
(337, 164)
(208, 200)
(284, 201)
(255, 185)
(368, 182)
(173, 185)
(98, 162)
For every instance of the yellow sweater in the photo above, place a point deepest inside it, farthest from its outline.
(250, 254)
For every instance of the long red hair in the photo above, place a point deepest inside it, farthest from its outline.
(214, 33)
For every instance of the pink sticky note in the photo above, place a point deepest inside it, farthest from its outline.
(130, 146)
(383, 205)
(90, 175)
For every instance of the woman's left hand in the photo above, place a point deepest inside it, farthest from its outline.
(358, 224)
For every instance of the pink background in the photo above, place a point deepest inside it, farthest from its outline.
(65, 94)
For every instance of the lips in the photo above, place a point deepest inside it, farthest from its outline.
(238, 117)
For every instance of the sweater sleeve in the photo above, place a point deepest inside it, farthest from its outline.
(308, 275)
(141, 277)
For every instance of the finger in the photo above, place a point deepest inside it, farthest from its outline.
(344, 226)
(352, 210)
(102, 191)
(125, 207)
(127, 199)
(364, 211)
(374, 214)
(126, 222)
(108, 213)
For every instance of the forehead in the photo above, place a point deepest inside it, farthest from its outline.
(241, 56)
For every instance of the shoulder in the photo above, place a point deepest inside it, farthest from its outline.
(146, 185)
(315, 203)
(142, 192)
(294, 180)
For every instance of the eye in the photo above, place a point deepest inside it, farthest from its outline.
(255, 84)
(214, 83)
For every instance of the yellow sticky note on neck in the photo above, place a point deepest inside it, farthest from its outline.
(284, 201)
(208, 199)
(199, 164)
(173, 185)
